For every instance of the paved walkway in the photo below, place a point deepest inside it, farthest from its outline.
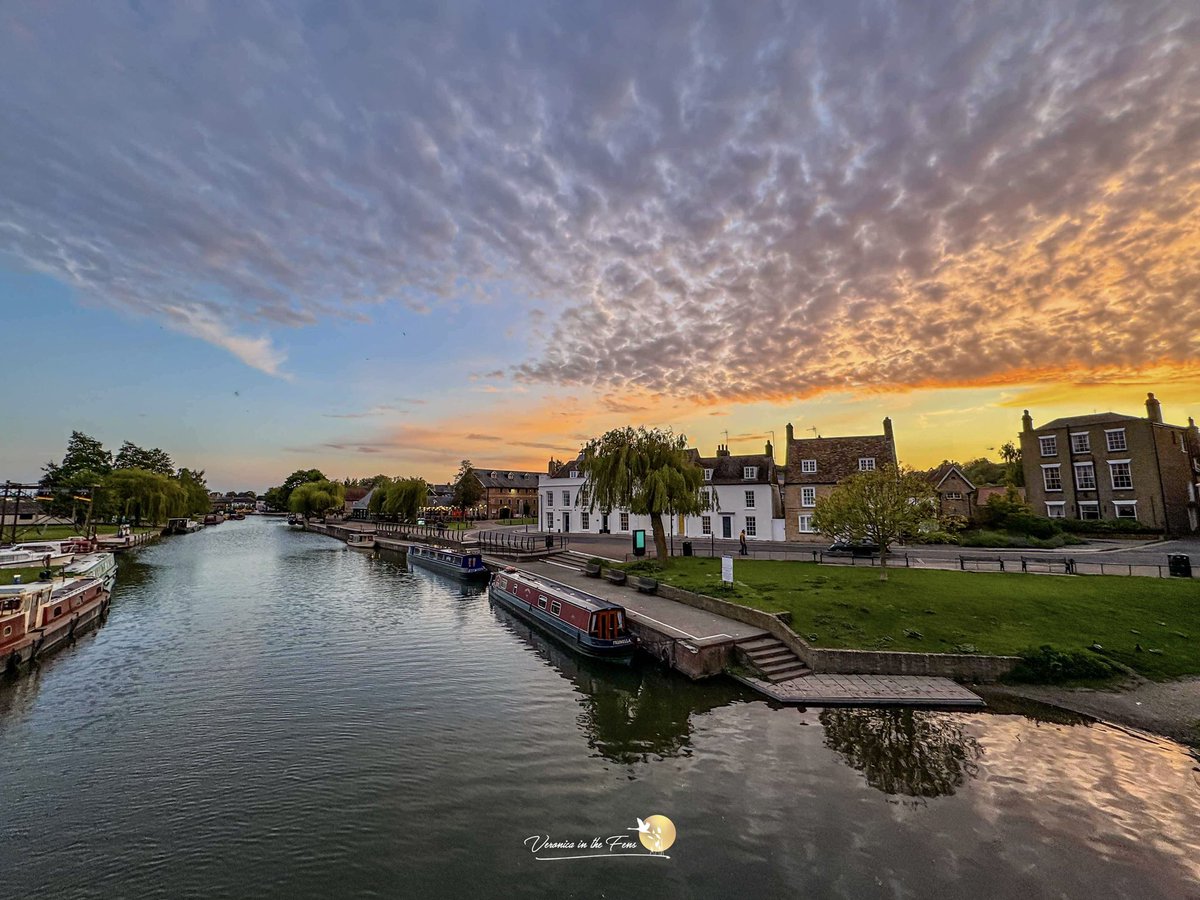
(705, 628)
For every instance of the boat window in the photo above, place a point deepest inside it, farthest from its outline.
(555, 607)
(542, 602)
(58, 610)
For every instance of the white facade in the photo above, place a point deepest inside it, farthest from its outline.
(748, 506)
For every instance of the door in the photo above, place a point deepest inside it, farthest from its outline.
(566, 521)
(727, 526)
(604, 523)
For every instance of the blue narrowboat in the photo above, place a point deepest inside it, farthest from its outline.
(586, 623)
(451, 562)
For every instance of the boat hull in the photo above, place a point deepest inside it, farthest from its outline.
(41, 642)
(447, 569)
(564, 633)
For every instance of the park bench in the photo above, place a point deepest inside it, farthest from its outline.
(646, 585)
(592, 570)
(615, 576)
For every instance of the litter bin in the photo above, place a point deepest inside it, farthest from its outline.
(549, 542)
(1179, 565)
(687, 548)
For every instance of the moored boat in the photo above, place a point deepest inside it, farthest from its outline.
(44, 553)
(182, 525)
(587, 623)
(101, 566)
(214, 519)
(362, 540)
(452, 562)
(38, 617)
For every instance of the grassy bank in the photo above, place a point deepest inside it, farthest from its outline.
(62, 532)
(28, 576)
(945, 612)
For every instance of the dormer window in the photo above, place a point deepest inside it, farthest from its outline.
(574, 473)
(866, 464)
(708, 474)
(749, 472)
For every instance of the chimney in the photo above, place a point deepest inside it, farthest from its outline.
(1026, 422)
(791, 435)
(1192, 426)
(722, 449)
(770, 451)
(1153, 409)
(552, 466)
(887, 429)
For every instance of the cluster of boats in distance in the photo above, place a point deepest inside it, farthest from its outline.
(584, 622)
(184, 525)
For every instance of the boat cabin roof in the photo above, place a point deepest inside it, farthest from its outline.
(563, 591)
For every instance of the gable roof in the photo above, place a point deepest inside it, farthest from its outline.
(942, 472)
(364, 501)
(728, 469)
(564, 470)
(837, 457)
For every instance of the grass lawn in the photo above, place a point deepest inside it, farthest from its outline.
(28, 576)
(62, 532)
(507, 522)
(941, 612)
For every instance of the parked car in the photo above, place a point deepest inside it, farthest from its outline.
(862, 547)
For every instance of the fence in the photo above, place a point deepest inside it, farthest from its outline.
(519, 542)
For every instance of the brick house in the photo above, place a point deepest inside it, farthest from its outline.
(507, 489)
(1114, 466)
(815, 466)
(955, 492)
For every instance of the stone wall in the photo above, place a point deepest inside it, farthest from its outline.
(964, 666)
(692, 660)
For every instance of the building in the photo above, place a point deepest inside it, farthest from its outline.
(24, 512)
(815, 465)
(1106, 466)
(361, 508)
(955, 492)
(352, 495)
(507, 493)
(744, 493)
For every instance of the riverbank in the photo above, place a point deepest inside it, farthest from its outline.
(1167, 708)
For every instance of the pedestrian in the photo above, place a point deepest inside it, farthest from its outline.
(742, 541)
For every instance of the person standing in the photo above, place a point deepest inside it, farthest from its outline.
(742, 541)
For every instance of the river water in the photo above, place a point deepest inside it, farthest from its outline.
(266, 713)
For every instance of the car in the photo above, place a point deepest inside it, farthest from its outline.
(862, 547)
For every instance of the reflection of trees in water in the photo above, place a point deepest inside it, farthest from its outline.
(903, 751)
(629, 713)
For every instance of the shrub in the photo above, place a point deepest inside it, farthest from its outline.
(1045, 665)
(1106, 526)
(939, 537)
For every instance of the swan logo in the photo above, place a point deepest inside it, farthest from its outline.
(655, 835)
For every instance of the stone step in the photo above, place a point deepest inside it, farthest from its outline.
(796, 671)
(774, 654)
(779, 666)
(760, 643)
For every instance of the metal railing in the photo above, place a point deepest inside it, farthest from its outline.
(520, 542)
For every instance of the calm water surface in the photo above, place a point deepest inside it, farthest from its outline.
(266, 713)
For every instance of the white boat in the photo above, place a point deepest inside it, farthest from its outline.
(45, 553)
(13, 558)
(102, 566)
(363, 540)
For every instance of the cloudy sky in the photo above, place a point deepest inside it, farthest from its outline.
(382, 237)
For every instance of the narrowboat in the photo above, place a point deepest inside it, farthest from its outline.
(362, 540)
(39, 617)
(181, 526)
(451, 562)
(101, 566)
(589, 624)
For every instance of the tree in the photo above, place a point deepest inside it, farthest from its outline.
(648, 472)
(468, 490)
(882, 506)
(984, 471)
(137, 494)
(131, 456)
(279, 497)
(315, 498)
(196, 489)
(1011, 454)
(83, 467)
(404, 497)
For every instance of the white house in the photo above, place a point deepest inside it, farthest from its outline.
(744, 490)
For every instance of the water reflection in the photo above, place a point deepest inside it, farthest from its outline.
(904, 751)
(629, 713)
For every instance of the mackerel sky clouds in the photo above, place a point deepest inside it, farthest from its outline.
(624, 212)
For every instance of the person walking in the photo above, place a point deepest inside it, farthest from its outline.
(742, 541)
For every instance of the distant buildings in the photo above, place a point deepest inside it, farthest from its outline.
(815, 465)
(956, 495)
(507, 494)
(1114, 466)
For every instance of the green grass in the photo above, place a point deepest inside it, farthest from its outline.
(62, 532)
(28, 576)
(507, 522)
(946, 612)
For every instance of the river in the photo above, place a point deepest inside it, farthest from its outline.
(266, 713)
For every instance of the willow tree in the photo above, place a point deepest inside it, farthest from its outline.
(647, 471)
(399, 497)
(315, 498)
(882, 506)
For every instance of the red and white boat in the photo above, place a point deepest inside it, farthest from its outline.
(587, 623)
(40, 616)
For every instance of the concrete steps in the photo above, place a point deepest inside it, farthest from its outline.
(773, 658)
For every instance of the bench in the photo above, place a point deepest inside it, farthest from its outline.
(592, 570)
(615, 576)
(646, 585)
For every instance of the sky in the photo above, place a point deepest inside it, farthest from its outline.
(384, 237)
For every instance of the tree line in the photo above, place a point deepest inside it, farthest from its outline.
(137, 485)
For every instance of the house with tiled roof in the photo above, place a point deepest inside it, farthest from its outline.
(955, 492)
(815, 465)
(507, 493)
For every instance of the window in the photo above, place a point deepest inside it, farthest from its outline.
(808, 466)
(1049, 445)
(1089, 510)
(624, 521)
(555, 607)
(1081, 442)
(585, 521)
(708, 474)
(566, 498)
(1122, 477)
(866, 464)
(1085, 476)
(1115, 438)
(751, 526)
(1056, 510)
(805, 524)
(953, 495)
(549, 498)
(1125, 509)
(574, 473)
(749, 499)
(542, 602)
(808, 496)
(1052, 478)
(750, 472)
(706, 524)
(549, 521)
